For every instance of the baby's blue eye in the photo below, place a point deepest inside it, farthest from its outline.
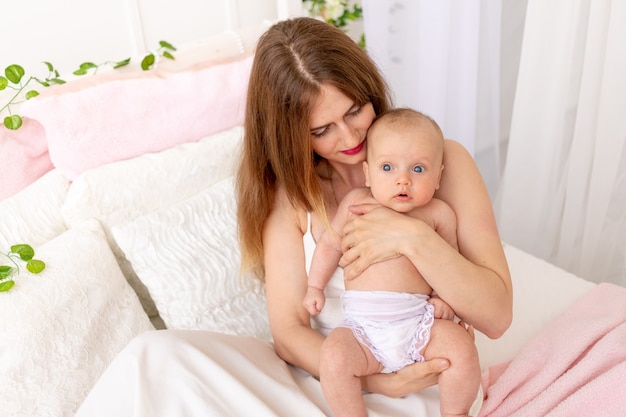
(418, 169)
(386, 167)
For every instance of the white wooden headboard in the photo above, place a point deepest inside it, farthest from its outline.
(69, 32)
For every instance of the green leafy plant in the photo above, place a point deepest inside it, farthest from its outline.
(336, 12)
(87, 67)
(165, 50)
(15, 79)
(24, 253)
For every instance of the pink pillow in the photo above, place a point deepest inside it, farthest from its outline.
(119, 115)
(24, 157)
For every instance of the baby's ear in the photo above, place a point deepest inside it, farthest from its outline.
(439, 179)
(366, 172)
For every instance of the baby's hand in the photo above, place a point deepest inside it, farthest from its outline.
(442, 309)
(314, 300)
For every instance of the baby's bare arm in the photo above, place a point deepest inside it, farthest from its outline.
(328, 250)
(324, 261)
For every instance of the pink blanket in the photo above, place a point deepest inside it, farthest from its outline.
(575, 367)
(24, 154)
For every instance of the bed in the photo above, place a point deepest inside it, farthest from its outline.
(134, 214)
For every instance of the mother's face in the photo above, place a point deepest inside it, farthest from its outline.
(339, 126)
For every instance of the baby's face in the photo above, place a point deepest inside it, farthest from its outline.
(403, 165)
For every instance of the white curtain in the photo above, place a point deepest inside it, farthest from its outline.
(443, 58)
(563, 191)
(562, 195)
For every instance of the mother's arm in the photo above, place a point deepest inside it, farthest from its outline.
(286, 282)
(475, 281)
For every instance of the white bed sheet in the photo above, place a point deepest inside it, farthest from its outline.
(213, 374)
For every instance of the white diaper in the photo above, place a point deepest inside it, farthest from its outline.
(394, 326)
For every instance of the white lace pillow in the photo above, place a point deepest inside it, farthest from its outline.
(60, 329)
(188, 257)
(33, 215)
(122, 191)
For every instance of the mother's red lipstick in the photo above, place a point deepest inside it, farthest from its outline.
(354, 151)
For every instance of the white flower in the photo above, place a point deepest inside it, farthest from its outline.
(334, 9)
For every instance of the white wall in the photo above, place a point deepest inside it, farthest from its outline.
(69, 32)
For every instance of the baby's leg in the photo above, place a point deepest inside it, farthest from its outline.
(343, 361)
(458, 384)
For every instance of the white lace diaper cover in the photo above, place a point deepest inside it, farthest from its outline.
(394, 326)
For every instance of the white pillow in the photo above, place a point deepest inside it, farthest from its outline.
(541, 291)
(188, 257)
(33, 215)
(124, 190)
(61, 328)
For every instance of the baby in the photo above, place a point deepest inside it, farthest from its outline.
(391, 316)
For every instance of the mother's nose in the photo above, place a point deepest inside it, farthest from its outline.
(350, 135)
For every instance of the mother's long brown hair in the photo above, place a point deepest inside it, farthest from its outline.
(292, 59)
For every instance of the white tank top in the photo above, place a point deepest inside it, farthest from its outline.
(331, 314)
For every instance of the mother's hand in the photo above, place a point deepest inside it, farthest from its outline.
(412, 378)
(374, 235)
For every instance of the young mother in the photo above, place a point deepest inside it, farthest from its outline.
(312, 96)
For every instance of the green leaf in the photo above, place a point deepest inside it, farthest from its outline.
(84, 68)
(49, 65)
(147, 62)
(35, 266)
(168, 55)
(3, 83)
(31, 94)
(44, 83)
(167, 45)
(362, 41)
(5, 271)
(88, 65)
(25, 251)
(121, 63)
(56, 81)
(6, 285)
(13, 122)
(14, 73)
